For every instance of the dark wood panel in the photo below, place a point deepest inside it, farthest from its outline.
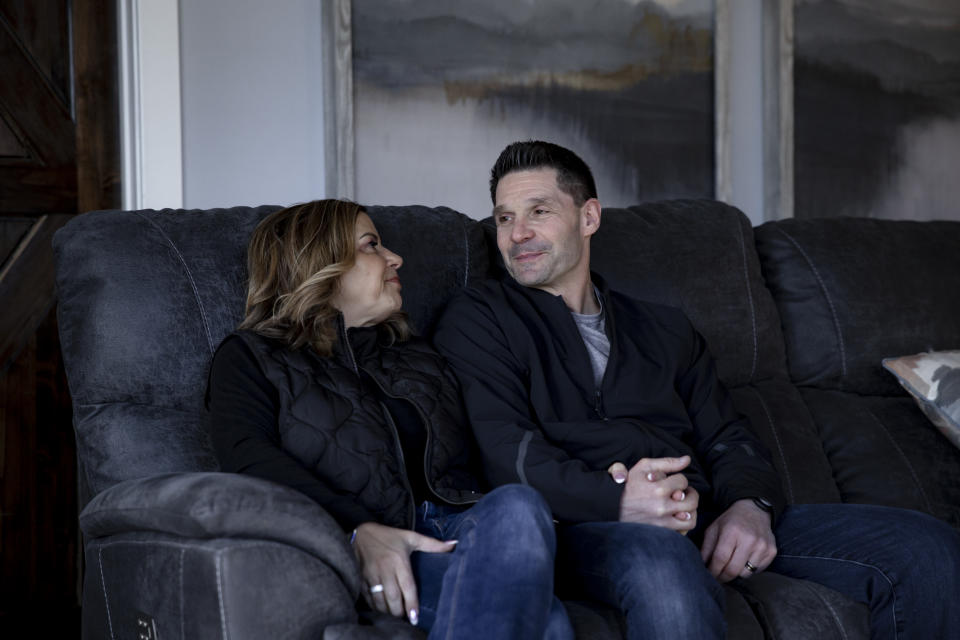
(38, 530)
(12, 231)
(42, 27)
(11, 146)
(98, 105)
(37, 190)
(30, 101)
(27, 287)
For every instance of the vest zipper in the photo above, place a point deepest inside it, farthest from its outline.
(403, 463)
(426, 453)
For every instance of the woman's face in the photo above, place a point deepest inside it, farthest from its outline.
(370, 290)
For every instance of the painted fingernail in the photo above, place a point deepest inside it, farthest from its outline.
(452, 542)
(683, 496)
(650, 476)
(686, 515)
(414, 617)
(619, 478)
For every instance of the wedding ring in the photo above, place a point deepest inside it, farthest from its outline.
(378, 588)
(750, 567)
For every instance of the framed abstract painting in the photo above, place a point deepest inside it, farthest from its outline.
(439, 87)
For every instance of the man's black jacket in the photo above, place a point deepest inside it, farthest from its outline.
(540, 420)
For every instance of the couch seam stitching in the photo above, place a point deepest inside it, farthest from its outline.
(193, 284)
(223, 606)
(829, 607)
(182, 552)
(753, 311)
(903, 455)
(776, 438)
(466, 251)
(893, 591)
(103, 584)
(826, 295)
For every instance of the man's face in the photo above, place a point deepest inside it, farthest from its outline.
(540, 233)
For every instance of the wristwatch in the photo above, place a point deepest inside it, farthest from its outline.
(764, 505)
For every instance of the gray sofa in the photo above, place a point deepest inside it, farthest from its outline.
(798, 313)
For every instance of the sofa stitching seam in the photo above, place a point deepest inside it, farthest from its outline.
(776, 438)
(223, 606)
(753, 311)
(875, 567)
(103, 584)
(829, 607)
(906, 461)
(186, 268)
(182, 634)
(466, 251)
(826, 294)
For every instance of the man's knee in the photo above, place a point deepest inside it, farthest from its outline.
(521, 512)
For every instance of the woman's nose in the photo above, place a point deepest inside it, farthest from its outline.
(393, 260)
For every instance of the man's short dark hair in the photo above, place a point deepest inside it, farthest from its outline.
(573, 174)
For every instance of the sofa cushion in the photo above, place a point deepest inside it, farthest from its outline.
(782, 422)
(442, 252)
(145, 297)
(883, 451)
(933, 380)
(853, 291)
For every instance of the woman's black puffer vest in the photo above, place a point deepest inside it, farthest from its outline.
(337, 427)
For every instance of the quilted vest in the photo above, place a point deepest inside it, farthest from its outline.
(335, 425)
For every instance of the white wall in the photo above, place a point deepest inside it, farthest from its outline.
(746, 108)
(251, 105)
(252, 102)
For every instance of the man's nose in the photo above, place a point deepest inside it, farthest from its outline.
(521, 231)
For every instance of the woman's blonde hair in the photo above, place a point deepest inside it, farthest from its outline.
(295, 259)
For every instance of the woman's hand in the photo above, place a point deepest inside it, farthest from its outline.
(384, 556)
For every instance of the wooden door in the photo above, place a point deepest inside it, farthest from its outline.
(59, 156)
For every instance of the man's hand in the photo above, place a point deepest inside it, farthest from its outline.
(384, 556)
(739, 536)
(656, 493)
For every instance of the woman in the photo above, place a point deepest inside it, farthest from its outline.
(323, 388)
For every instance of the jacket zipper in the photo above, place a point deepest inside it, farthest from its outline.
(426, 453)
(403, 464)
(598, 405)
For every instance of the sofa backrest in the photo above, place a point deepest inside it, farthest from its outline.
(851, 292)
(145, 297)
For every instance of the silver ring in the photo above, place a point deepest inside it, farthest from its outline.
(750, 567)
(377, 588)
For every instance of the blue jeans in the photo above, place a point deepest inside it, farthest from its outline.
(498, 582)
(654, 576)
(904, 564)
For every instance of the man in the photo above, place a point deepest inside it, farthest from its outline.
(611, 407)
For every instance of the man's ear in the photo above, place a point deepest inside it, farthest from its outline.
(590, 217)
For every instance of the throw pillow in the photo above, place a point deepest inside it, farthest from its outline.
(933, 379)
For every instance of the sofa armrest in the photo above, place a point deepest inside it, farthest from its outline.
(212, 505)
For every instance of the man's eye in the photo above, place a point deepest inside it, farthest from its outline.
(539, 211)
(503, 219)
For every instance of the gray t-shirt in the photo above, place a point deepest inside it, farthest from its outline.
(591, 327)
